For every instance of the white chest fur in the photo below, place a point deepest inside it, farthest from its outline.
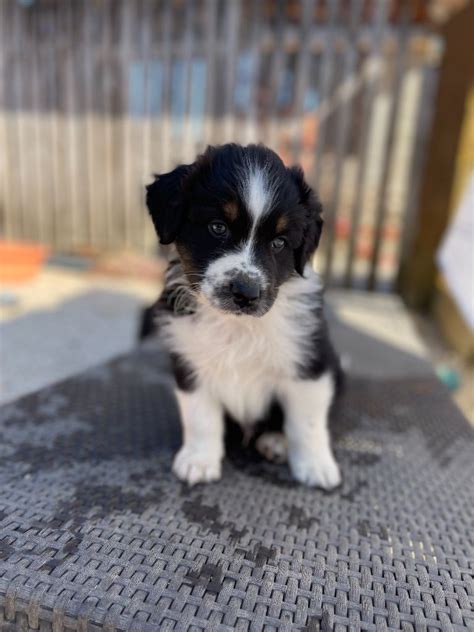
(241, 360)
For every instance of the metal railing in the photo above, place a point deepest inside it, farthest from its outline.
(95, 96)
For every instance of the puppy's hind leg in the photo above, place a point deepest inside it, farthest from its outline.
(273, 446)
(200, 457)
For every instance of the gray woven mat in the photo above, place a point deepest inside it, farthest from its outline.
(96, 532)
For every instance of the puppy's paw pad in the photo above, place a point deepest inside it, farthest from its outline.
(273, 446)
(194, 467)
(322, 472)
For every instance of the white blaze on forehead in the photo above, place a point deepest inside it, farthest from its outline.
(257, 192)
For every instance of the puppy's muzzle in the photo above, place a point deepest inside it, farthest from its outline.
(245, 291)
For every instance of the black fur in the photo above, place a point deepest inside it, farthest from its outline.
(183, 373)
(164, 201)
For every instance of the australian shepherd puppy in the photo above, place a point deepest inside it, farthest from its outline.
(241, 312)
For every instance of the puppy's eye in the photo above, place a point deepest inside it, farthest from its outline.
(218, 229)
(278, 244)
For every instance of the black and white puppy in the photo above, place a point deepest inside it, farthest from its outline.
(241, 312)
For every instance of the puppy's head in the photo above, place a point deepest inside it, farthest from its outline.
(243, 224)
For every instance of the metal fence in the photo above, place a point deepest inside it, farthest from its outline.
(95, 95)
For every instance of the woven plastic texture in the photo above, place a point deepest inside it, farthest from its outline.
(97, 533)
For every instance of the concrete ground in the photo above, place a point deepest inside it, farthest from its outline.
(65, 321)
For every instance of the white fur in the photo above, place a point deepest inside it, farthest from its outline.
(273, 446)
(242, 363)
(241, 260)
(200, 457)
(306, 404)
(242, 359)
(257, 191)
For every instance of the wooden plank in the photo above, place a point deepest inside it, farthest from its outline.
(105, 113)
(187, 145)
(114, 108)
(5, 159)
(211, 54)
(250, 131)
(301, 78)
(379, 25)
(4, 198)
(381, 205)
(25, 120)
(231, 39)
(135, 113)
(343, 122)
(72, 117)
(60, 52)
(424, 118)
(39, 174)
(149, 17)
(88, 67)
(57, 160)
(12, 44)
(272, 132)
(324, 93)
(418, 268)
(126, 41)
(166, 59)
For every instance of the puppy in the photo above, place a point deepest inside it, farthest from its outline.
(241, 311)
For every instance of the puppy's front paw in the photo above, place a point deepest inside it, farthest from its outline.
(194, 466)
(315, 470)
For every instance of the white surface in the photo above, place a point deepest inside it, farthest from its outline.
(456, 254)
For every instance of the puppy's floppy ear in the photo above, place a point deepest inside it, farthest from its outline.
(313, 222)
(164, 198)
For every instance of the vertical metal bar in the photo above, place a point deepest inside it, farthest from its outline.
(72, 115)
(127, 38)
(14, 139)
(302, 74)
(379, 25)
(233, 10)
(6, 153)
(211, 50)
(88, 114)
(106, 115)
(422, 126)
(188, 43)
(327, 72)
(58, 54)
(41, 200)
(250, 132)
(21, 139)
(4, 159)
(165, 134)
(148, 19)
(276, 70)
(343, 123)
(97, 149)
(381, 206)
(49, 103)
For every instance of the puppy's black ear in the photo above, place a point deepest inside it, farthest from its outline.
(164, 198)
(313, 222)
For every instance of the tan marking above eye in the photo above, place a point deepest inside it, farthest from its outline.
(281, 224)
(231, 211)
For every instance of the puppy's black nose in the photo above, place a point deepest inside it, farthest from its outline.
(245, 291)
